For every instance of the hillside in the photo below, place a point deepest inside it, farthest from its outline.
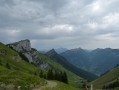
(15, 72)
(84, 74)
(97, 61)
(72, 78)
(107, 79)
(42, 61)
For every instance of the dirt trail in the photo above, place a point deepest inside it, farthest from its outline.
(49, 84)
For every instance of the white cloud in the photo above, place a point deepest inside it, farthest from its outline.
(60, 23)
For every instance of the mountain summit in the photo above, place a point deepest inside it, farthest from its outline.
(51, 53)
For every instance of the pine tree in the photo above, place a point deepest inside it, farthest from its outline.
(60, 76)
(41, 74)
(44, 76)
(0, 62)
(35, 73)
(50, 75)
(8, 66)
(65, 80)
(56, 75)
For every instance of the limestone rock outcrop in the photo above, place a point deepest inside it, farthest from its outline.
(31, 54)
(21, 46)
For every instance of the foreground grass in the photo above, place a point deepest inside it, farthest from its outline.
(13, 79)
(61, 86)
(16, 73)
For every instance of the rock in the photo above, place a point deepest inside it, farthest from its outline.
(21, 46)
(19, 87)
(30, 54)
(24, 47)
(18, 58)
(44, 65)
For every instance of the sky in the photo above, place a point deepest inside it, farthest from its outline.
(48, 24)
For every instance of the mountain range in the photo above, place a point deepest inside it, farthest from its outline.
(61, 60)
(97, 61)
(58, 50)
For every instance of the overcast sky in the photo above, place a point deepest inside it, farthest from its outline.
(50, 24)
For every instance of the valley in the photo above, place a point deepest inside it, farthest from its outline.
(23, 67)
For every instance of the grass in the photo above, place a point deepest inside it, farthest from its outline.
(107, 79)
(61, 86)
(73, 79)
(20, 73)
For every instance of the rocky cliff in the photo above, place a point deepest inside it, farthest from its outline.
(31, 54)
(21, 46)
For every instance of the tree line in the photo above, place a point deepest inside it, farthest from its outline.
(54, 75)
(57, 75)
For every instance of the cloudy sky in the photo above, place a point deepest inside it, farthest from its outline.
(50, 24)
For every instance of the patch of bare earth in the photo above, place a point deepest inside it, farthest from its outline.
(49, 84)
(10, 86)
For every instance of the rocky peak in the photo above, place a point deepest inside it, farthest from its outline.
(24, 47)
(52, 52)
(30, 54)
(21, 46)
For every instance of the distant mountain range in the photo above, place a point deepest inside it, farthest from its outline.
(96, 61)
(58, 50)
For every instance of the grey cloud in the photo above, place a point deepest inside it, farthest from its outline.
(59, 23)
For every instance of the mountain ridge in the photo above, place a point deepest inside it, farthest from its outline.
(97, 61)
(56, 57)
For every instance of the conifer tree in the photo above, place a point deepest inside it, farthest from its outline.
(56, 75)
(41, 74)
(7, 65)
(0, 62)
(35, 73)
(50, 75)
(44, 76)
(65, 80)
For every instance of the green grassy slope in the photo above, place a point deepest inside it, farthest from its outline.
(61, 86)
(73, 79)
(19, 73)
(107, 79)
(22, 74)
